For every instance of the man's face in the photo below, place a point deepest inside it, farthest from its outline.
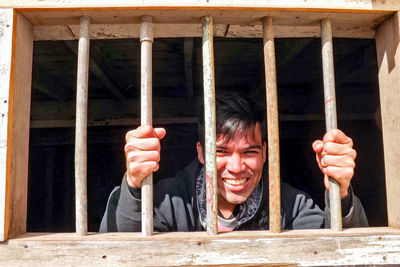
(239, 165)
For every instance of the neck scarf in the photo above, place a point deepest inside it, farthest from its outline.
(246, 212)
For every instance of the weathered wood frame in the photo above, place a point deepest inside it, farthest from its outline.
(322, 246)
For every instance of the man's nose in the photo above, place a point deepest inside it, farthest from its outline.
(234, 163)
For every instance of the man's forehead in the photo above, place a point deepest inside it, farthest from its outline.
(249, 136)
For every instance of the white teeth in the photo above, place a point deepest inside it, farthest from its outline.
(235, 181)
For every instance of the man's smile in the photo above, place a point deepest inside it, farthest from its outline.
(235, 181)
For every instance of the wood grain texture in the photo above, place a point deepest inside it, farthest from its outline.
(389, 5)
(388, 53)
(18, 129)
(6, 32)
(259, 248)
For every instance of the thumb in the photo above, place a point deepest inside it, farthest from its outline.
(317, 146)
(161, 132)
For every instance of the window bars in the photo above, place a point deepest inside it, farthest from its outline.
(146, 39)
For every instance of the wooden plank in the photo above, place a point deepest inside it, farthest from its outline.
(203, 237)
(244, 16)
(6, 32)
(187, 120)
(330, 115)
(82, 86)
(63, 24)
(146, 114)
(389, 5)
(18, 128)
(272, 127)
(210, 126)
(123, 31)
(236, 249)
(388, 53)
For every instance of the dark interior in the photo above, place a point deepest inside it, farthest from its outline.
(114, 104)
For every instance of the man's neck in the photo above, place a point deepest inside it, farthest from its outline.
(225, 208)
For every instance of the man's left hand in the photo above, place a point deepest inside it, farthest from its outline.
(335, 157)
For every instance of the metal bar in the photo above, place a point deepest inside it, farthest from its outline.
(330, 115)
(146, 42)
(81, 127)
(273, 127)
(210, 128)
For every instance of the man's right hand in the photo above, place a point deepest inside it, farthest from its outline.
(142, 153)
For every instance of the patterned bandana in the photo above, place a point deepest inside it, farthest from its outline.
(247, 210)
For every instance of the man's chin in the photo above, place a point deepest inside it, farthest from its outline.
(236, 200)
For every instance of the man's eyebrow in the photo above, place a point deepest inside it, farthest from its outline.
(254, 147)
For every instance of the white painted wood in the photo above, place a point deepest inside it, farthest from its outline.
(390, 5)
(388, 53)
(307, 248)
(6, 28)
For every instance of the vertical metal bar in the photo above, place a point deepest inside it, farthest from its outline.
(210, 128)
(330, 115)
(81, 127)
(273, 127)
(146, 84)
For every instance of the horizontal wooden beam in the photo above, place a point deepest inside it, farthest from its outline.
(123, 31)
(185, 120)
(304, 247)
(108, 23)
(217, 4)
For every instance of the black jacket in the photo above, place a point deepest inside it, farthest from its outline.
(176, 208)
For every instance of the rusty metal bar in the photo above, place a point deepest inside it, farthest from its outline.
(81, 127)
(146, 84)
(210, 128)
(330, 115)
(273, 127)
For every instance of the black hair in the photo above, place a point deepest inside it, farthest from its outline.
(235, 114)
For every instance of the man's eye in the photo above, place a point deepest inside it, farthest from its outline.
(251, 152)
(220, 151)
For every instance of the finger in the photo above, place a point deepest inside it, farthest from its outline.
(161, 132)
(141, 170)
(317, 146)
(144, 131)
(337, 136)
(331, 148)
(337, 161)
(143, 144)
(341, 174)
(139, 156)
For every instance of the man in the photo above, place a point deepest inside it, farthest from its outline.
(180, 202)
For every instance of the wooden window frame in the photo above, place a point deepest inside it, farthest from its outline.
(26, 22)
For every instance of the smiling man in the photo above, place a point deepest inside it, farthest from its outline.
(180, 202)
